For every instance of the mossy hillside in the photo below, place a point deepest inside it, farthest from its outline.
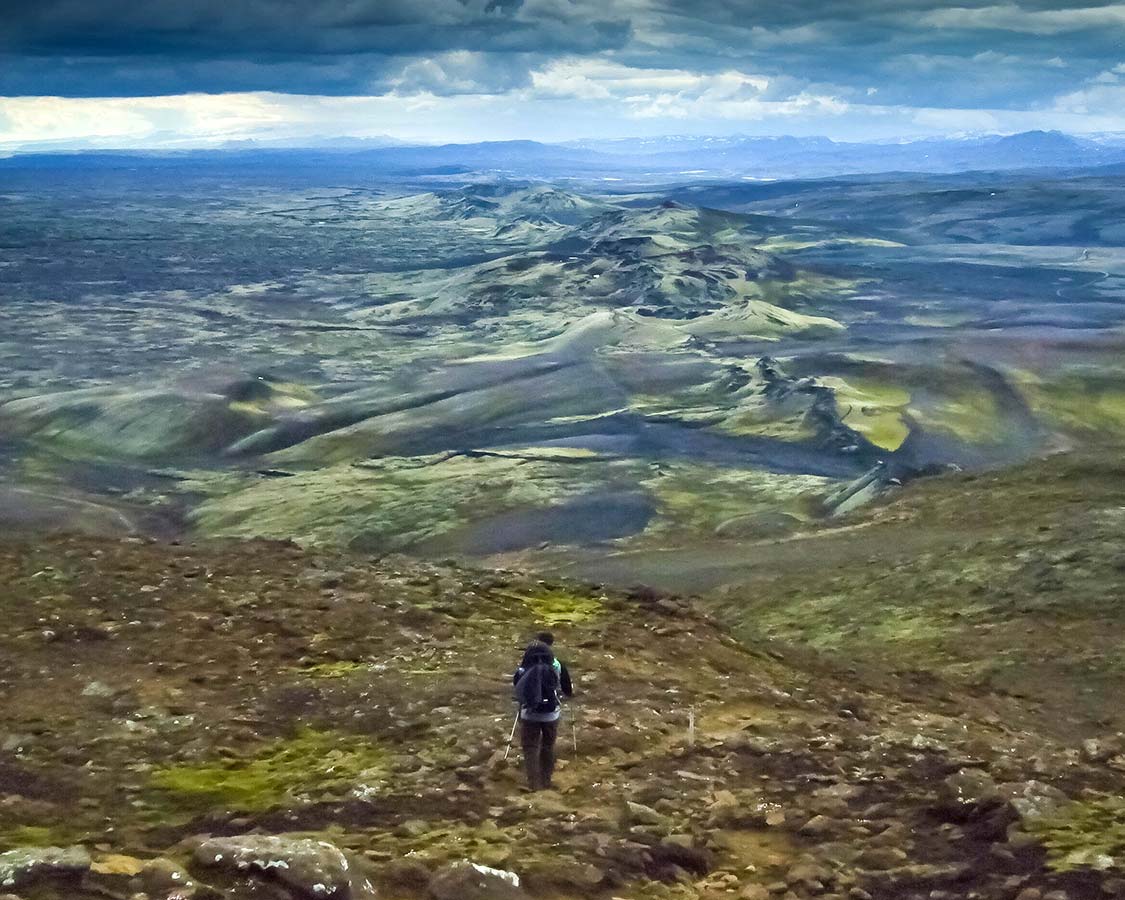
(1004, 582)
(157, 423)
(790, 242)
(311, 763)
(872, 407)
(698, 500)
(972, 414)
(1084, 404)
(396, 503)
(569, 391)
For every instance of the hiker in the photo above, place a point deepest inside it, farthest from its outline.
(539, 681)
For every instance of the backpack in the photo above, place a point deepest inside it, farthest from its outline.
(537, 690)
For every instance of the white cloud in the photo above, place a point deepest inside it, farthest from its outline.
(204, 116)
(680, 94)
(569, 98)
(1011, 17)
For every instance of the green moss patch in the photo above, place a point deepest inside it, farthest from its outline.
(562, 608)
(1088, 834)
(37, 836)
(311, 763)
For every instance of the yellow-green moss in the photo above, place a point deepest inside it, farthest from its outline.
(563, 608)
(310, 763)
(1078, 403)
(1087, 834)
(873, 408)
(973, 415)
(37, 836)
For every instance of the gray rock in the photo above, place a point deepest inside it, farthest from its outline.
(99, 690)
(818, 826)
(898, 880)
(314, 869)
(470, 881)
(1032, 800)
(882, 858)
(967, 794)
(162, 876)
(639, 814)
(24, 866)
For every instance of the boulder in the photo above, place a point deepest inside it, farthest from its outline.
(968, 794)
(470, 881)
(31, 864)
(312, 869)
(1032, 800)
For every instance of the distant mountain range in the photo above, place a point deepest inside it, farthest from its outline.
(740, 157)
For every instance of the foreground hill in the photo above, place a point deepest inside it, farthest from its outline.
(255, 720)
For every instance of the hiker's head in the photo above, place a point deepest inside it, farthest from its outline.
(537, 652)
(545, 637)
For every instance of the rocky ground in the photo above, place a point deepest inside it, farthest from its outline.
(249, 719)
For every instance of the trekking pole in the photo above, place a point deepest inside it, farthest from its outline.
(574, 730)
(512, 736)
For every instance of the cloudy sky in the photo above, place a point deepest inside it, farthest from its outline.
(151, 73)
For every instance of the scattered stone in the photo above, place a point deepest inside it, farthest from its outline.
(921, 874)
(639, 814)
(98, 690)
(564, 873)
(470, 881)
(410, 874)
(314, 869)
(818, 826)
(810, 875)
(882, 858)
(690, 859)
(164, 878)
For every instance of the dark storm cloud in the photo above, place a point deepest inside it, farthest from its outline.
(120, 47)
(920, 52)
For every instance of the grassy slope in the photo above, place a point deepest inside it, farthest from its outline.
(1007, 581)
(153, 692)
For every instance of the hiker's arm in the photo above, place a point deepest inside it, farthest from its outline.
(564, 681)
(516, 675)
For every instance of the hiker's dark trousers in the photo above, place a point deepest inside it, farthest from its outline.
(538, 741)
